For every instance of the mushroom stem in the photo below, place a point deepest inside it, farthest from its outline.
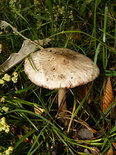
(62, 105)
(61, 97)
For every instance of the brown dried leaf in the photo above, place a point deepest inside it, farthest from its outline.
(107, 95)
(110, 152)
(114, 145)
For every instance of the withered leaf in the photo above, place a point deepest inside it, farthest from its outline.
(27, 48)
(110, 151)
(107, 95)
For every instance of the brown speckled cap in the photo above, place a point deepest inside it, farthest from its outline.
(55, 68)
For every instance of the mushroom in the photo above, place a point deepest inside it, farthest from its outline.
(60, 68)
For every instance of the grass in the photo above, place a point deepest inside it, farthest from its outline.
(88, 27)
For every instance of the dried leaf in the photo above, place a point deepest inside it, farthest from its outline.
(108, 95)
(4, 25)
(114, 144)
(110, 151)
(27, 48)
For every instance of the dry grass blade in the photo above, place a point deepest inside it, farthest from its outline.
(86, 125)
(1, 48)
(38, 110)
(93, 151)
(108, 95)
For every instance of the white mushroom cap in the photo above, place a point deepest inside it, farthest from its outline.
(55, 68)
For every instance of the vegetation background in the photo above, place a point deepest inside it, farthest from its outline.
(86, 26)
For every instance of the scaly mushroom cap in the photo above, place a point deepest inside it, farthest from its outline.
(55, 68)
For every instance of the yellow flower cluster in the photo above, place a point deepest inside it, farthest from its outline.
(15, 77)
(2, 81)
(8, 78)
(3, 125)
(8, 151)
(2, 99)
(5, 108)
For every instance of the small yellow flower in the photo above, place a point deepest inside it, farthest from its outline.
(2, 99)
(2, 81)
(5, 109)
(3, 120)
(7, 77)
(3, 125)
(6, 128)
(15, 74)
(10, 148)
(14, 79)
(8, 151)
